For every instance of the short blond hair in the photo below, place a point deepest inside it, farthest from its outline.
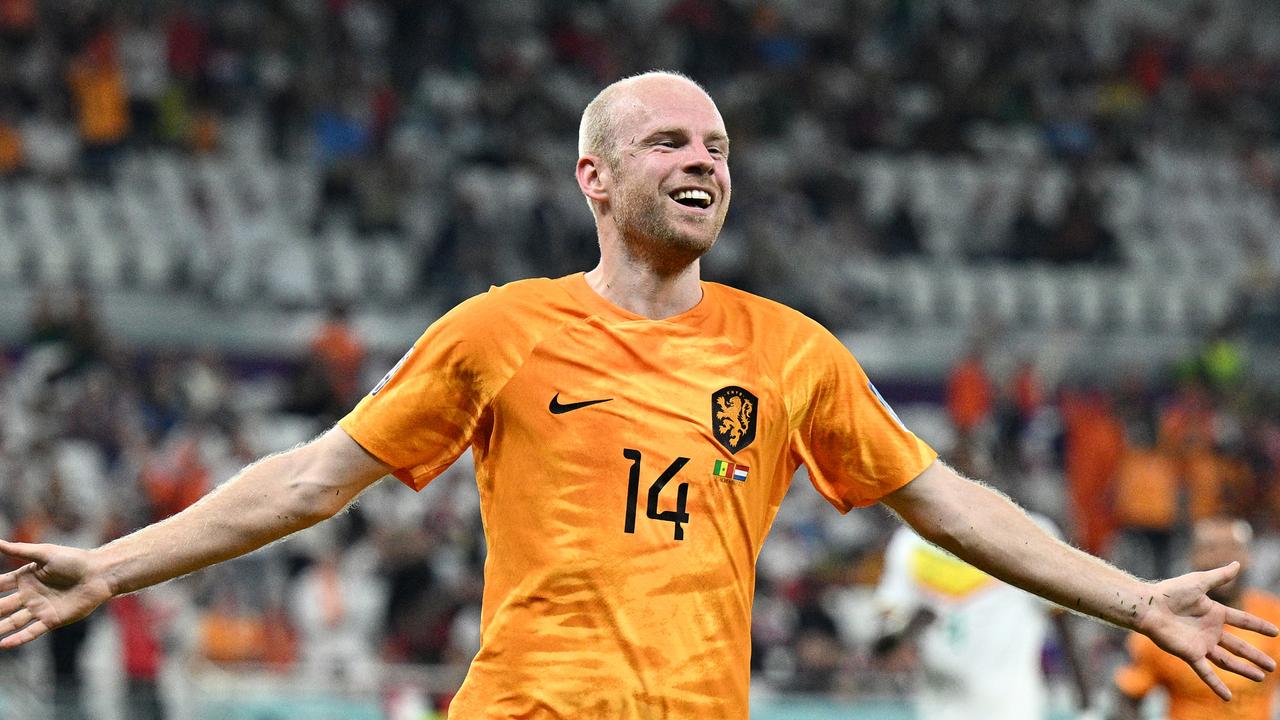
(598, 129)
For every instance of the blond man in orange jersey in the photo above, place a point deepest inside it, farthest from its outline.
(1215, 541)
(634, 430)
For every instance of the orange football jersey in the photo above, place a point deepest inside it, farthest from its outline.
(1189, 697)
(629, 470)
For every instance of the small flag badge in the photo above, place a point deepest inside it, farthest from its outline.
(730, 471)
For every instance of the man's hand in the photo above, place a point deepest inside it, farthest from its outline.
(55, 587)
(1183, 621)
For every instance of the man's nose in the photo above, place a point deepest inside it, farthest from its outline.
(699, 160)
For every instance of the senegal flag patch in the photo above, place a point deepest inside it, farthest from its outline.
(730, 471)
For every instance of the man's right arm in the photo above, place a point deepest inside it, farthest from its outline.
(268, 500)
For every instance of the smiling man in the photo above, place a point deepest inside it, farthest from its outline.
(634, 430)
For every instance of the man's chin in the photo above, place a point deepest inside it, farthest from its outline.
(671, 251)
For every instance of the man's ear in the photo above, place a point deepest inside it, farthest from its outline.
(594, 178)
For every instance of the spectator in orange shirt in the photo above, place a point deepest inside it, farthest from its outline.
(1095, 443)
(1214, 541)
(341, 354)
(11, 151)
(1148, 486)
(102, 105)
(969, 393)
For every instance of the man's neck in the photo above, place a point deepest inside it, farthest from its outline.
(638, 288)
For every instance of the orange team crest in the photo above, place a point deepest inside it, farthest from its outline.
(733, 417)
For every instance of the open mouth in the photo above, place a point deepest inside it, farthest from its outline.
(693, 198)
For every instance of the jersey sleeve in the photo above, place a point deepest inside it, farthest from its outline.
(855, 447)
(1138, 677)
(423, 414)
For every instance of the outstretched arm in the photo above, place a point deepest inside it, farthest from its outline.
(985, 529)
(268, 500)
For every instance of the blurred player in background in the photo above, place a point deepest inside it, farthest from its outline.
(634, 430)
(1214, 541)
(978, 642)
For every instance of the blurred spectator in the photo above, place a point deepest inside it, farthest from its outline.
(63, 515)
(140, 631)
(819, 654)
(340, 353)
(337, 609)
(1149, 490)
(175, 477)
(12, 156)
(969, 393)
(1215, 542)
(1028, 234)
(1094, 443)
(1021, 399)
(76, 329)
(49, 141)
(241, 626)
(900, 235)
(101, 101)
(231, 633)
(340, 137)
(146, 74)
(17, 20)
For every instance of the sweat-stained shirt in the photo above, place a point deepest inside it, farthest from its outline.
(629, 470)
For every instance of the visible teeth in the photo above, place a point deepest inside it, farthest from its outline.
(701, 196)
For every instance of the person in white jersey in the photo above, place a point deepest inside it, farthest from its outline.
(978, 640)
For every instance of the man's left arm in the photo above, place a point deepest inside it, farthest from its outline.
(985, 529)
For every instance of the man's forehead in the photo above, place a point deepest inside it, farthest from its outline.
(650, 108)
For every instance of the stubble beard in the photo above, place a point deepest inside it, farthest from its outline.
(649, 234)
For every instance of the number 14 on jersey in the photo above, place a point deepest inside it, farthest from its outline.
(676, 517)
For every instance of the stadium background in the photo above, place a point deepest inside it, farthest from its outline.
(1047, 229)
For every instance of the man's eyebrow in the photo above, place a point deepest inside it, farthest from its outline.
(715, 135)
(667, 132)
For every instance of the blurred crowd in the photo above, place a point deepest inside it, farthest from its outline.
(452, 125)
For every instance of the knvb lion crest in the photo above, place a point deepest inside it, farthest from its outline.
(733, 417)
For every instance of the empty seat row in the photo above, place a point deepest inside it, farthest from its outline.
(940, 295)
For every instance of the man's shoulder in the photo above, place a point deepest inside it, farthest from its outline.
(539, 291)
(529, 296)
(770, 311)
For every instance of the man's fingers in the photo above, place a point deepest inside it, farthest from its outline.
(26, 634)
(1231, 663)
(24, 551)
(1219, 576)
(1206, 673)
(1248, 652)
(1245, 621)
(9, 603)
(9, 580)
(16, 621)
